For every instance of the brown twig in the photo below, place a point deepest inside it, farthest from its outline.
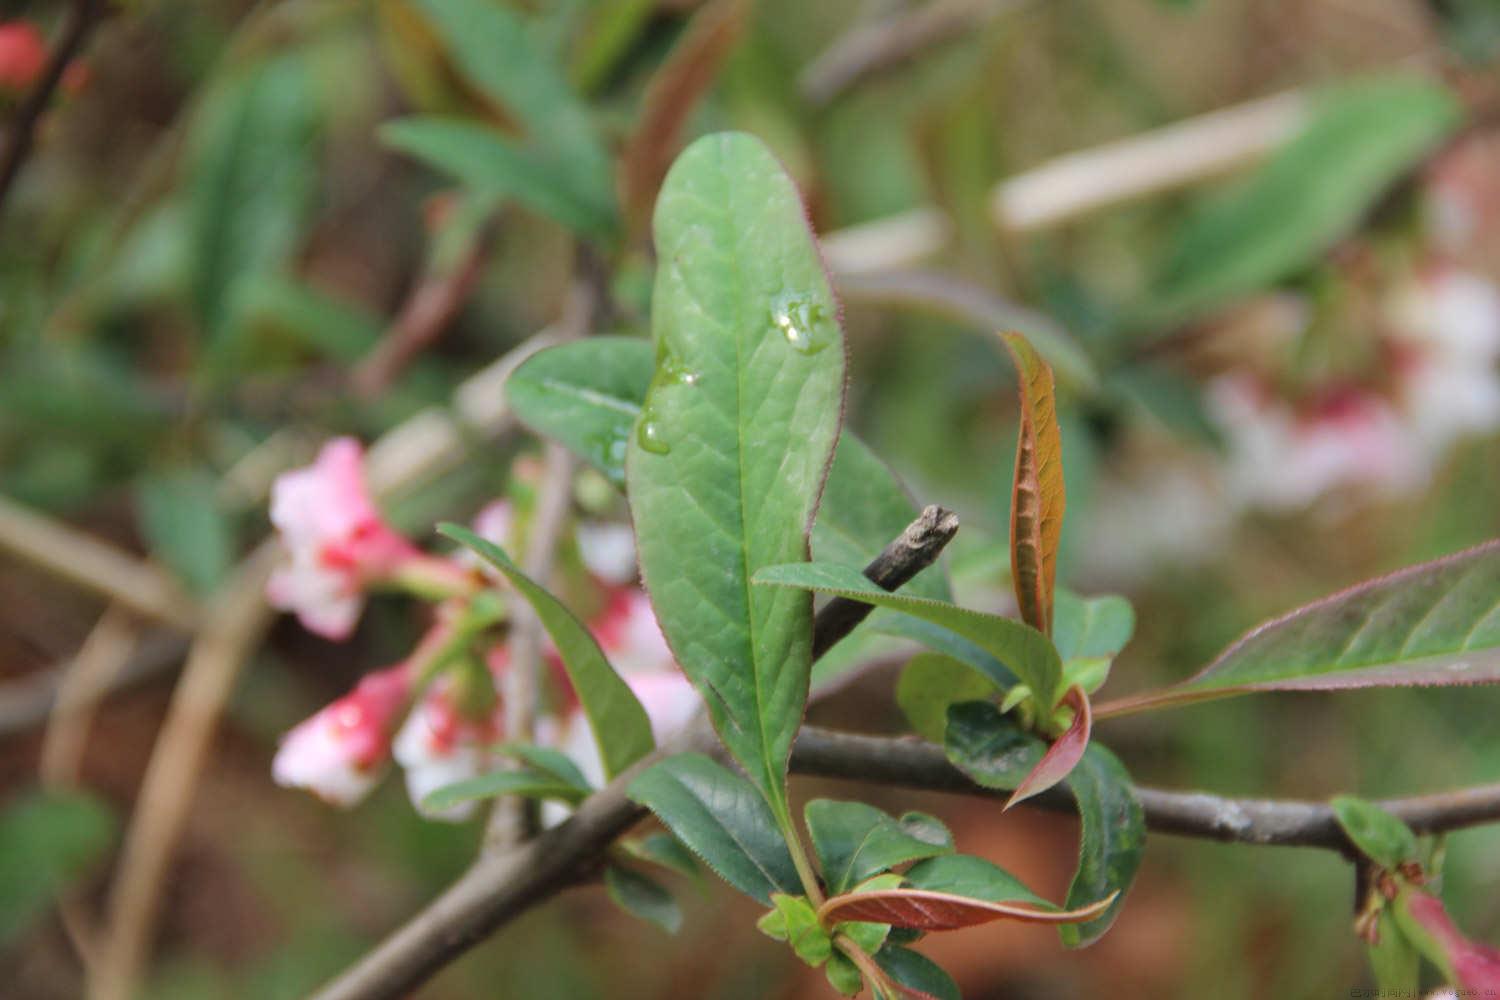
(27, 702)
(233, 626)
(429, 309)
(883, 45)
(93, 565)
(81, 19)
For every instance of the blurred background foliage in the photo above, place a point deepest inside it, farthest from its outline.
(1277, 381)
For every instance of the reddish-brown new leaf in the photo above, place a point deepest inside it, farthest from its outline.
(1064, 754)
(925, 910)
(1037, 499)
(670, 98)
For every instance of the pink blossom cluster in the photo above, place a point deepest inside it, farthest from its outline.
(339, 548)
(23, 57)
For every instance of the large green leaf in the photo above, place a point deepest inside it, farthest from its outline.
(46, 841)
(486, 161)
(723, 819)
(993, 752)
(918, 974)
(854, 840)
(1437, 623)
(1028, 653)
(587, 395)
(731, 450)
(621, 727)
(1360, 139)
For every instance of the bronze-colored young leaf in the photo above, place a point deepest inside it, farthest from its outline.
(1037, 499)
(925, 910)
(1434, 624)
(1064, 754)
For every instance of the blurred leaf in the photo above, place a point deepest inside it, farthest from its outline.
(1382, 837)
(1037, 497)
(620, 725)
(666, 850)
(993, 752)
(311, 319)
(492, 46)
(674, 91)
(1360, 139)
(644, 897)
(528, 782)
(1436, 623)
(854, 841)
(488, 162)
(1393, 958)
(548, 761)
(251, 183)
(723, 819)
(1023, 649)
(47, 841)
(733, 446)
(919, 976)
(614, 25)
(184, 527)
(930, 684)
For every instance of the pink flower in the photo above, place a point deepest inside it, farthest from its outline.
(1473, 966)
(1283, 457)
(628, 633)
(440, 746)
(608, 550)
(23, 55)
(337, 540)
(340, 753)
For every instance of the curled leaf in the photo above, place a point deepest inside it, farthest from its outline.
(1467, 964)
(923, 909)
(1064, 754)
(1037, 498)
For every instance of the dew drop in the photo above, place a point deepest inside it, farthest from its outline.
(648, 436)
(802, 324)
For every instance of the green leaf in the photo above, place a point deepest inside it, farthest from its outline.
(1089, 627)
(250, 184)
(1037, 497)
(47, 841)
(854, 841)
(492, 47)
(1112, 840)
(1393, 958)
(549, 761)
(937, 638)
(528, 782)
(588, 394)
(722, 819)
(843, 975)
(1359, 140)
(1382, 837)
(915, 971)
(732, 448)
(930, 684)
(993, 752)
(184, 526)
(486, 161)
(1027, 652)
(621, 727)
(643, 897)
(794, 921)
(1437, 623)
(666, 850)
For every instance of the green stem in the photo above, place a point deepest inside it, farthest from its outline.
(880, 984)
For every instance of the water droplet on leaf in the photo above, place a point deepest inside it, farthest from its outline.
(802, 323)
